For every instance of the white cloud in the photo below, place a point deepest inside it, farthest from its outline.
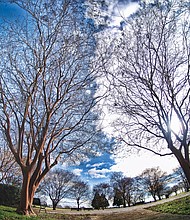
(122, 11)
(88, 165)
(97, 164)
(77, 171)
(133, 165)
(94, 173)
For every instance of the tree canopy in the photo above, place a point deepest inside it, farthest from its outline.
(146, 66)
(47, 89)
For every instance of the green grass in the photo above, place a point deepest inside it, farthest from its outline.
(8, 213)
(179, 206)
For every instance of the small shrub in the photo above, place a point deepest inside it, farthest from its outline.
(9, 195)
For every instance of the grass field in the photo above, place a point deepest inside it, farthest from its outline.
(8, 213)
(175, 210)
(179, 206)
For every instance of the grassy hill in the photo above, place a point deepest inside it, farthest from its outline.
(178, 206)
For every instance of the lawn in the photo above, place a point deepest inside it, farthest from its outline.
(8, 213)
(179, 206)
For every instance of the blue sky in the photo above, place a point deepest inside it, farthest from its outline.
(9, 11)
(95, 170)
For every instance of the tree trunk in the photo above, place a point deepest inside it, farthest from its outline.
(154, 197)
(54, 204)
(32, 191)
(78, 204)
(129, 204)
(26, 198)
(185, 165)
(124, 202)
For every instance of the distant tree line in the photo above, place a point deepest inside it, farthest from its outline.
(120, 191)
(125, 191)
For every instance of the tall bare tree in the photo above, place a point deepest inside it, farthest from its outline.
(10, 172)
(7, 163)
(80, 192)
(124, 186)
(57, 185)
(46, 89)
(154, 181)
(149, 76)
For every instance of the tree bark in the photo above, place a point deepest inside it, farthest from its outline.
(129, 201)
(54, 204)
(154, 197)
(124, 202)
(26, 198)
(183, 162)
(78, 204)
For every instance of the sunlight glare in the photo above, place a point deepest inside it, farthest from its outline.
(175, 124)
(124, 11)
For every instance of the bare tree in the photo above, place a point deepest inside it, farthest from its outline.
(80, 192)
(103, 188)
(124, 186)
(57, 185)
(154, 181)
(6, 163)
(10, 172)
(180, 179)
(148, 73)
(118, 198)
(46, 89)
(138, 192)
